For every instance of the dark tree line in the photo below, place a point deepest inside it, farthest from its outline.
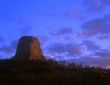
(51, 73)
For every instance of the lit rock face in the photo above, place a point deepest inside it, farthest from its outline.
(29, 49)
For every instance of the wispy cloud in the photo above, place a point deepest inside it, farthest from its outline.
(97, 26)
(25, 30)
(61, 31)
(90, 45)
(103, 53)
(70, 49)
(9, 48)
(94, 5)
(107, 2)
(61, 34)
(100, 58)
(75, 14)
(23, 26)
(95, 61)
(1, 40)
(6, 49)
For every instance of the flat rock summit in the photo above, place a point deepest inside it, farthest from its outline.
(29, 49)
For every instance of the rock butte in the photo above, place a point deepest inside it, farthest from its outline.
(29, 49)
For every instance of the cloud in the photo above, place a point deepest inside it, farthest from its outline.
(51, 13)
(97, 26)
(107, 2)
(103, 53)
(94, 5)
(44, 40)
(16, 20)
(90, 45)
(62, 34)
(25, 29)
(61, 31)
(70, 49)
(91, 60)
(75, 14)
(13, 44)
(103, 36)
(9, 48)
(6, 49)
(100, 58)
(1, 40)
(22, 25)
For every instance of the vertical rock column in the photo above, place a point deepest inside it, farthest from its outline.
(29, 49)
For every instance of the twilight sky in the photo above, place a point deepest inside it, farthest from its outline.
(73, 30)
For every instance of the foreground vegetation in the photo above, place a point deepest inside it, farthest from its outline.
(51, 73)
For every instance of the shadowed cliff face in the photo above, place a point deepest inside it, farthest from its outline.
(29, 49)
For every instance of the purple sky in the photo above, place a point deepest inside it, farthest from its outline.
(73, 30)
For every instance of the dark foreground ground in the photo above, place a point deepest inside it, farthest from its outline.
(50, 73)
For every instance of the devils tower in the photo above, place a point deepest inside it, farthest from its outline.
(29, 49)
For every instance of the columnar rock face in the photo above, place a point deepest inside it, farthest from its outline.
(29, 49)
